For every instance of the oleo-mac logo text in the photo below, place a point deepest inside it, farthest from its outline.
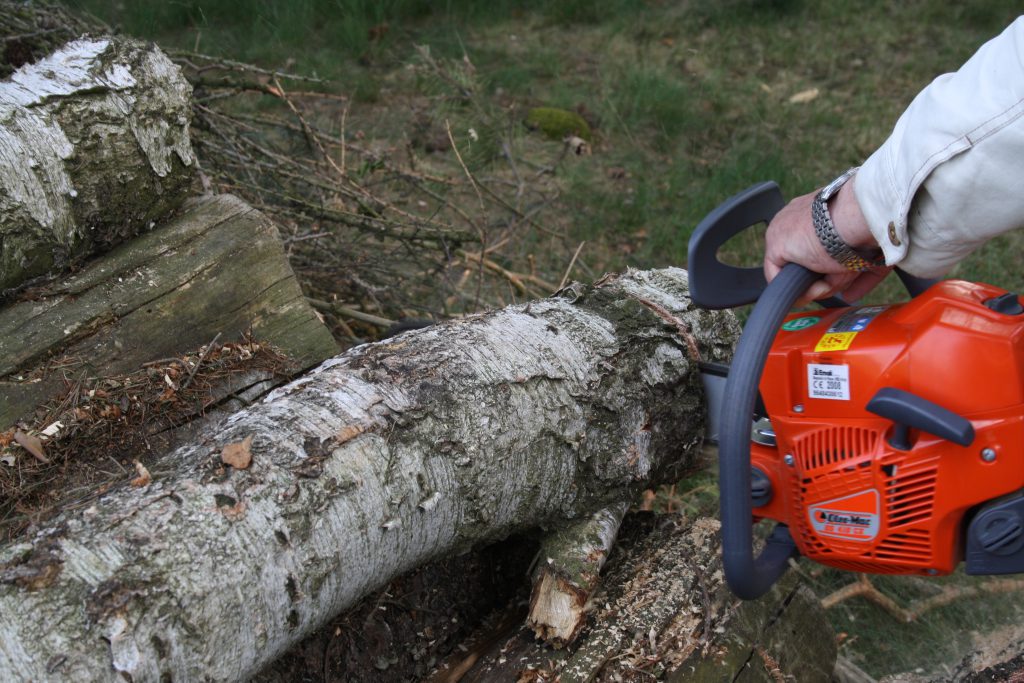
(855, 517)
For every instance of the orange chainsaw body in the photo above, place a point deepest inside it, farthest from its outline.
(850, 498)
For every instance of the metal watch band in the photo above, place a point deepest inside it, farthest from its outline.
(843, 253)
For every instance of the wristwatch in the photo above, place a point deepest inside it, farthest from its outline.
(843, 253)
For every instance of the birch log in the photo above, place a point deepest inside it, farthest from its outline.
(217, 270)
(382, 459)
(568, 569)
(94, 148)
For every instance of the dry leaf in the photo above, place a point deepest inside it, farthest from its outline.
(32, 444)
(144, 478)
(804, 96)
(578, 145)
(111, 412)
(238, 454)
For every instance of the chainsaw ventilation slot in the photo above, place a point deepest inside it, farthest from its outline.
(828, 447)
(910, 490)
(913, 546)
(834, 461)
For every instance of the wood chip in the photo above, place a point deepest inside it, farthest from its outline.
(144, 478)
(238, 454)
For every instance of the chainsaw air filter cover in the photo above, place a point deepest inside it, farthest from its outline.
(895, 426)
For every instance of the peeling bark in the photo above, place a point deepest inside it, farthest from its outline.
(94, 148)
(381, 460)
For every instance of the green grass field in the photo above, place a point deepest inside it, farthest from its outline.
(689, 101)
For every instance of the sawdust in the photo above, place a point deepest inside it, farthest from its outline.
(100, 430)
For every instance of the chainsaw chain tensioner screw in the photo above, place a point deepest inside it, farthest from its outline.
(988, 454)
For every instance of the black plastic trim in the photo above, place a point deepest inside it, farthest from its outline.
(910, 410)
(748, 577)
(714, 284)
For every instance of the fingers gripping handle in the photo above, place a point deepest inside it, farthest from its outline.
(748, 577)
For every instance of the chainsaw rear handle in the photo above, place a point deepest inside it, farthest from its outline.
(748, 577)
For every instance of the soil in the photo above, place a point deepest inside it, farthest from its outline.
(402, 632)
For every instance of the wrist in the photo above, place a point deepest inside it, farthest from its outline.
(851, 248)
(849, 219)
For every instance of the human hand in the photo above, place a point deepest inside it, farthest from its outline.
(791, 239)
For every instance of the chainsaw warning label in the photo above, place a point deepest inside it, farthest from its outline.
(841, 333)
(853, 518)
(835, 341)
(828, 381)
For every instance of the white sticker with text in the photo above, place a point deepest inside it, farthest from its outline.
(828, 381)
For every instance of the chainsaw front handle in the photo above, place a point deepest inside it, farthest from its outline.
(748, 577)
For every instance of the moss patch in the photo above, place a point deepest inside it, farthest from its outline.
(558, 124)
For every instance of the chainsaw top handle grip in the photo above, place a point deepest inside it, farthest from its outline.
(748, 577)
(714, 284)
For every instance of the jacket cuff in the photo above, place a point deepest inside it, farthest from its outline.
(878, 195)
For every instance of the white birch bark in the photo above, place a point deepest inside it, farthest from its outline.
(382, 459)
(94, 148)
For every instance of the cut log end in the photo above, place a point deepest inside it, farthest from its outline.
(557, 609)
(572, 558)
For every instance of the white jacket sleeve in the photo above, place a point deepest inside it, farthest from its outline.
(951, 175)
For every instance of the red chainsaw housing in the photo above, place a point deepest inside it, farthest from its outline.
(851, 499)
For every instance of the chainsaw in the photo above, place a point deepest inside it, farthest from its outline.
(884, 439)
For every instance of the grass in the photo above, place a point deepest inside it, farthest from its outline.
(881, 644)
(691, 98)
(690, 101)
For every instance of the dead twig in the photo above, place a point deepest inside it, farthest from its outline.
(565, 278)
(863, 587)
